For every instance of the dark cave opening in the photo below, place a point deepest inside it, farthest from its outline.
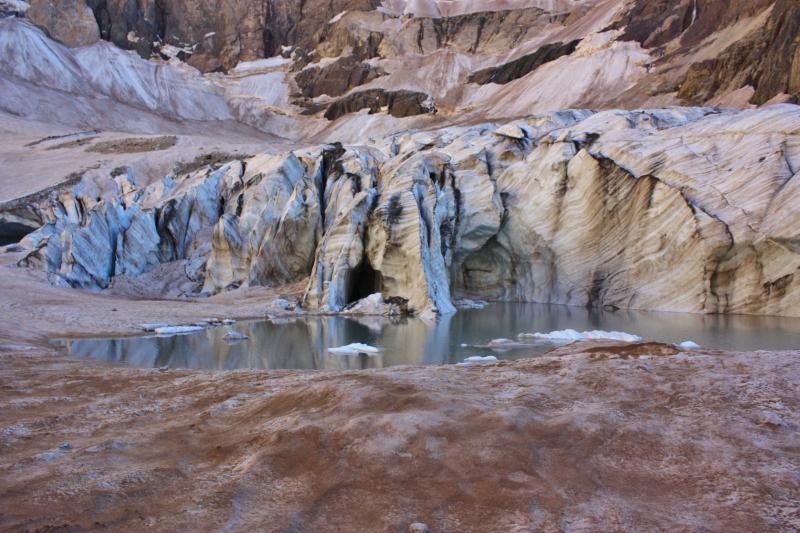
(13, 232)
(362, 281)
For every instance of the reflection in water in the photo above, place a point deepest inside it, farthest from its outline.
(303, 343)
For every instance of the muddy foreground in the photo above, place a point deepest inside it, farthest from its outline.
(589, 438)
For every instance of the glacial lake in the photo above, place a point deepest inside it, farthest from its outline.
(304, 342)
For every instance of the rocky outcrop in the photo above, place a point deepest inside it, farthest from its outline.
(768, 61)
(524, 65)
(481, 60)
(674, 210)
(336, 78)
(482, 32)
(69, 21)
(663, 52)
(654, 23)
(397, 103)
(218, 38)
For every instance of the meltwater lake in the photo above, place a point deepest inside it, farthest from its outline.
(305, 342)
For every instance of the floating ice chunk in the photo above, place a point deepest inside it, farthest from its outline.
(354, 349)
(689, 345)
(177, 330)
(466, 303)
(480, 359)
(500, 343)
(152, 327)
(568, 335)
(503, 345)
(233, 335)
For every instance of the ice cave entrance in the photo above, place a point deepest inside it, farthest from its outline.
(13, 232)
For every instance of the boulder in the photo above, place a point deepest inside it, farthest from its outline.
(69, 21)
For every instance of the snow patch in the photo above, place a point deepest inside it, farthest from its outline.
(689, 345)
(569, 335)
(338, 17)
(260, 64)
(354, 349)
(14, 6)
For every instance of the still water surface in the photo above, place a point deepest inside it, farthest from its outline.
(303, 343)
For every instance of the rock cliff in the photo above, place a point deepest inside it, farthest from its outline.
(682, 209)
(464, 55)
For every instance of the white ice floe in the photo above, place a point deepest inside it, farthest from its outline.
(233, 335)
(177, 330)
(354, 349)
(689, 345)
(502, 343)
(481, 359)
(568, 335)
(152, 327)
(466, 303)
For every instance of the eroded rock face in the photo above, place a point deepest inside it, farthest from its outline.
(655, 23)
(675, 210)
(479, 60)
(769, 61)
(397, 103)
(69, 21)
(520, 67)
(336, 78)
(215, 37)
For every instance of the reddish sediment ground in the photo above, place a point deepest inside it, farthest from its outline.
(591, 437)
